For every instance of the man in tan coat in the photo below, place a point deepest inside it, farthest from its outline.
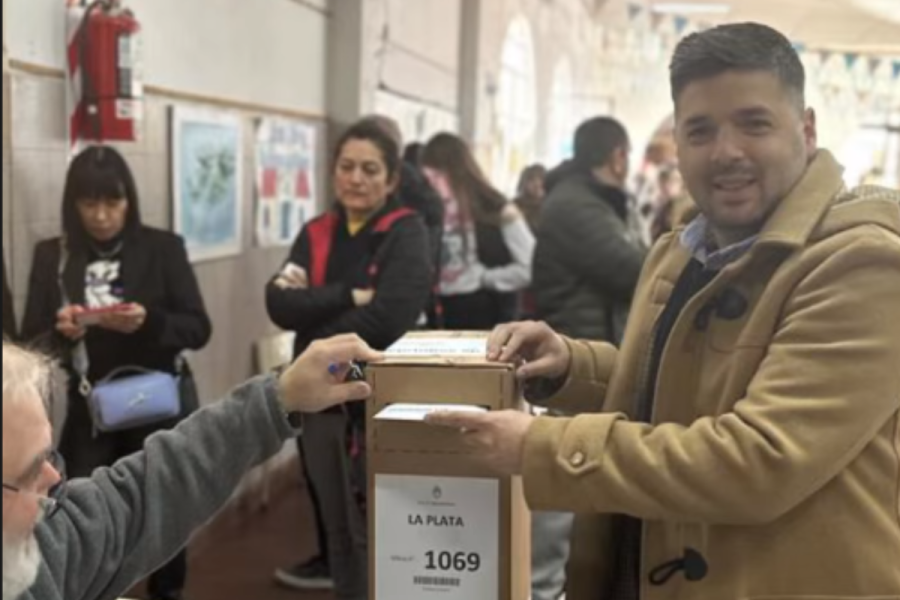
(746, 441)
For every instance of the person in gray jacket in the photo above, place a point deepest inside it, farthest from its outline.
(587, 262)
(93, 539)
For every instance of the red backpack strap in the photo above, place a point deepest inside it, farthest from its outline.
(386, 222)
(321, 237)
(384, 225)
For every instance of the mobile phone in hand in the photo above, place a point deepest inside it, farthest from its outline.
(92, 317)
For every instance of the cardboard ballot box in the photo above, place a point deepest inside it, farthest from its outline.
(441, 526)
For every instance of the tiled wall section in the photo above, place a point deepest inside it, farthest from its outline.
(232, 288)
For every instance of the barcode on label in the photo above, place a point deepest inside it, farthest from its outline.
(437, 581)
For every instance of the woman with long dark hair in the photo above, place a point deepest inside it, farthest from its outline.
(530, 194)
(488, 245)
(140, 283)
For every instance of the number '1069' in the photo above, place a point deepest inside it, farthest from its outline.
(449, 561)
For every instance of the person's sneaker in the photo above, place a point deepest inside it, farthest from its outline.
(311, 575)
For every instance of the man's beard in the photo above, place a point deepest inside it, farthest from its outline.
(21, 561)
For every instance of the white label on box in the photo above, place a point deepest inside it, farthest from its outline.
(436, 537)
(418, 412)
(411, 347)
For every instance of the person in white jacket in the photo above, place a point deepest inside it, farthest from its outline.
(488, 245)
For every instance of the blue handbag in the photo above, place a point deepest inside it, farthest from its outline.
(129, 397)
(132, 397)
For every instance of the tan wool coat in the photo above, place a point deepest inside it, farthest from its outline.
(774, 450)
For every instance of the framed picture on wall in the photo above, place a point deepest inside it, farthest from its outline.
(285, 180)
(207, 182)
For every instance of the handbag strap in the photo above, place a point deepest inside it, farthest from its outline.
(80, 361)
(116, 373)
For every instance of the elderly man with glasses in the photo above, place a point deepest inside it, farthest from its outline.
(92, 539)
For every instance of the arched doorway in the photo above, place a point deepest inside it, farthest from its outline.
(516, 104)
(562, 122)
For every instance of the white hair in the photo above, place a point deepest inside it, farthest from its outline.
(21, 562)
(30, 376)
(26, 375)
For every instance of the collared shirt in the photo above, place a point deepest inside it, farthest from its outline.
(694, 238)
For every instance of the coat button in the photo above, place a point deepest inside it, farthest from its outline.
(577, 459)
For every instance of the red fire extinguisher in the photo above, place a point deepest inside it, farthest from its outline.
(105, 62)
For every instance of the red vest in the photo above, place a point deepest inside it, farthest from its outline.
(321, 238)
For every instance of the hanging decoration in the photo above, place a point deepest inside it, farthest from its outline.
(636, 56)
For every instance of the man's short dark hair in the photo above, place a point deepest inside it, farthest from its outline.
(737, 47)
(596, 140)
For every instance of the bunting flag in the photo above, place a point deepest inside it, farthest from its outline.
(874, 63)
(681, 23)
(896, 71)
(850, 60)
(799, 47)
(634, 11)
(657, 19)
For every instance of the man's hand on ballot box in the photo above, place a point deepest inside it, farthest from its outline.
(540, 351)
(498, 438)
(318, 379)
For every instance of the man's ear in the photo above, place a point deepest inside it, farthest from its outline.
(810, 131)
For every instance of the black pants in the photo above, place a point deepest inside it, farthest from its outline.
(321, 536)
(336, 483)
(480, 311)
(84, 453)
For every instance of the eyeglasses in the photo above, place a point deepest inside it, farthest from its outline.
(49, 503)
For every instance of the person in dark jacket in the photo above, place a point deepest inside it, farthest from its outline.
(361, 268)
(589, 253)
(412, 154)
(414, 191)
(586, 267)
(107, 258)
(530, 194)
(10, 329)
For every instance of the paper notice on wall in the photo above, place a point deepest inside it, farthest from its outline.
(436, 537)
(285, 180)
(418, 412)
(424, 347)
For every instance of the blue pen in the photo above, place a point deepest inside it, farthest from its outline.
(356, 372)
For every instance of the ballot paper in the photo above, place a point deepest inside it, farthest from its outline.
(418, 412)
(437, 346)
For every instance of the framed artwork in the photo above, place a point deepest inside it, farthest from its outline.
(207, 182)
(285, 180)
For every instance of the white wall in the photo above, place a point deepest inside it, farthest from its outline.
(269, 52)
(414, 74)
(422, 56)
